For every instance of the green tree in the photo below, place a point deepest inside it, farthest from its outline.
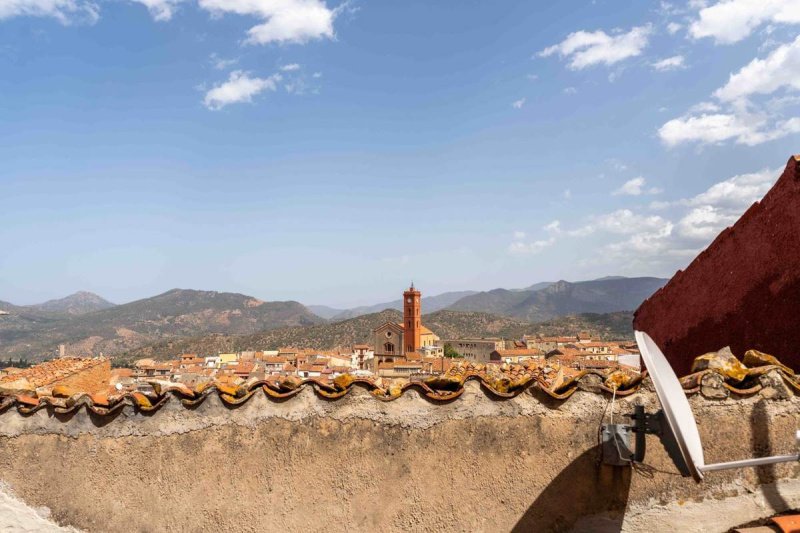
(451, 352)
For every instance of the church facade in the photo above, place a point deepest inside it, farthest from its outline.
(399, 342)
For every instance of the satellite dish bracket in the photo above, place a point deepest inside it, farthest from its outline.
(674, 424)
(617, 451)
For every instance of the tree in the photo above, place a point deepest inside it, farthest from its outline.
(449, 351)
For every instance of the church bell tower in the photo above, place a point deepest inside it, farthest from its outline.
(411, 319)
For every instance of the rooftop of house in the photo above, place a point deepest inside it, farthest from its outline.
(48, 372)
(714, 375)
(519, 352)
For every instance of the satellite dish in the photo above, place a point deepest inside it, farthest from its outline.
(674, 404)
(675, 424)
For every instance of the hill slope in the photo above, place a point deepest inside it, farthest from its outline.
(429, 303)
(563, 298)
(80, 303)
(176, 313)
(445, 323)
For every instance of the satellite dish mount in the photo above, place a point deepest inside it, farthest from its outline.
(674, 424)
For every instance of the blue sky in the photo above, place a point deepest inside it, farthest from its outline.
(331, 152)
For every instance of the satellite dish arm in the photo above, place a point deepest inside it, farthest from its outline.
(758, 461)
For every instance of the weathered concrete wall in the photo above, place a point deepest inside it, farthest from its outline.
(476, 464)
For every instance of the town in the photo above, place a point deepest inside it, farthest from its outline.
(401, 352)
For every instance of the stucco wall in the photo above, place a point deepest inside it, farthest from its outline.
(475, 464)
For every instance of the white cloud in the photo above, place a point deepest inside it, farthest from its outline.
(220, 63)
(625, 221)
(780, 69)
(529, 248)
(631, 187)
(646, 241)
(284, 21)
(240, 87)
(567, 194)
(669, 63)
(736, 193)
(744, 128)
(160, 10)
(290, 67)
(635, 187)
(553, 227)
(519, 246)
(585, 48)
(705, 129)
(517, 104)
(673, 28)
(730, 21)
(569, 90)
(65, 11)
(658, 241)
(704, 222)
(743, 114)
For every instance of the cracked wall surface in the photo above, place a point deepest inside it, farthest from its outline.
(477, 463)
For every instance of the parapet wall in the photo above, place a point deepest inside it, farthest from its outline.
(476, 463)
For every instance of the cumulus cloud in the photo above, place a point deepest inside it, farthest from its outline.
(65, 11)
(240, 87)
(631, 187)
(290, 67)
(779, 70)
(635, 187)
(625, 221)
(673, 28)
(740, 116)
(517, 104)
(584, 49)
(737, 193)
(706, 128)
(730, 21)
(669, 63)
(651, 240)
(221, 63)
(160, 10)
(284, 21)
(520, 247)
(704, 222)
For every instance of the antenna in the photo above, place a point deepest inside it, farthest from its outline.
(674, 423)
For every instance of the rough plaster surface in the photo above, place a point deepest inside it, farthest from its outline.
(17, 517)
(476, 464)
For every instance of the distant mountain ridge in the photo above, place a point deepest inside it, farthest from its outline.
(79, 303)
(605, 295)
(430, 304)
(538, 302)
(33, 333)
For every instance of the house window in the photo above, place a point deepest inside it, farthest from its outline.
(388, 347)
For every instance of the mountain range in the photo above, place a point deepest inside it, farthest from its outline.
(605, 295)
(35, 331)
(345, 333)
(538, 302)
(86, 323)
(430, 304)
